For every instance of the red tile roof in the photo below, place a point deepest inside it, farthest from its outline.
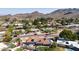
(38, 39)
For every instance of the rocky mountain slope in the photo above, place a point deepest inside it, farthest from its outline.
(60, 13)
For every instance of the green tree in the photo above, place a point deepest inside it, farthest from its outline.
(40, 22)
(63, 22)
(18, 40)
(8, 34)
(68, 34)
(77, 34)
(76, 21)
(26, 24)
(7, 37)
(10, 28)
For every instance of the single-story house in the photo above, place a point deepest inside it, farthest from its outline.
(37, 40)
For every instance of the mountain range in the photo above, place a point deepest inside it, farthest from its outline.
(58, 14)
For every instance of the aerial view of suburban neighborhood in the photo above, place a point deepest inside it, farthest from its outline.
(39, 29)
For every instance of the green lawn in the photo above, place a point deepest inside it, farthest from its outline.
(43, 48)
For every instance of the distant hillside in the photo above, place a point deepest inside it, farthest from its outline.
(60, 13)
(66, 13)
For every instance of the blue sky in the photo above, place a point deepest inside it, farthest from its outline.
(4, 11)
